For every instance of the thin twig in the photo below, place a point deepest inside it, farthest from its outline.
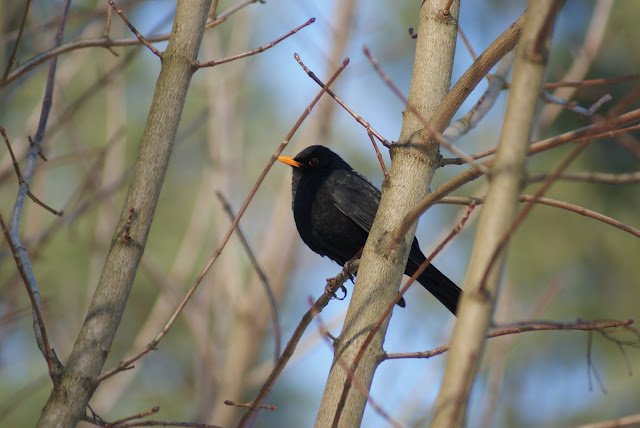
(335, 283)
(592, 82)
(358, 118)
(324, 333)
(247, 405)
(599, 130)
(261, 274)
(107, 24)
(378, 155)
(133, 29)
(522, 328)
(140, 415)
(105, 43)
(43, 205)
(460, 200)
(574, 107)
(19, 251)
(14, 161)
(574, 136)
(263, 48)
(38, 323)
(528, 207)
(623, 421)
(592, 177)
(427, 126)
(16, 46)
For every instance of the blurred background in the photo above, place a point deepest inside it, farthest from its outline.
(561, 266)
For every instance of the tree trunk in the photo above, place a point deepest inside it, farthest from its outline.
(67, 403)
(414, 159)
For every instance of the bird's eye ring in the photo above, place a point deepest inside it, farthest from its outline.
(313, 162)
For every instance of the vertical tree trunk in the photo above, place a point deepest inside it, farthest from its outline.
(507, 177)
(67, 404)
(414, 159)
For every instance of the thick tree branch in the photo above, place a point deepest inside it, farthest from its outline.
(476, 305)
(414, 159)
(67, 403)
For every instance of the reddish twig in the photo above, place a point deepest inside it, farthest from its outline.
(261, 274)
(459, 200)
(16, 167)
(262, 406)
(445, 13)
(574, 136)
(105, 43)
(378, 155)
(358, 118)
(324, 333)
(263, 48)
(524, 328)
(427, 126)
(318, 306)
(52, 361)
(592, 82)
(593, 177)
(133, 29)
(528, 207)
(591, 132)
(467, 43)
(16, 46)
(120, 422)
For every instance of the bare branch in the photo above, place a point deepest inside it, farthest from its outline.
(261, 274)
(333, 285)
(254, 51)
(523, 327)
(332, 94)
(133, 29)
(552, 203)
(106, 43)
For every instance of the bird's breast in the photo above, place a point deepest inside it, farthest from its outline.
(324, 228)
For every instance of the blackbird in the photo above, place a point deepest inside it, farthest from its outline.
(334, 207)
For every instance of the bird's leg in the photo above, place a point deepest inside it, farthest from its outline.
(330, 292)
(349, 270)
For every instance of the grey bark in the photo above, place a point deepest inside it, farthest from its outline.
(506, 179)
(414, 159)
(67, 404)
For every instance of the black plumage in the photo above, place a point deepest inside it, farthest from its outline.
(334, 207)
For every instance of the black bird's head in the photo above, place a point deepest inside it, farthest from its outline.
(312, 166)
(315, 160)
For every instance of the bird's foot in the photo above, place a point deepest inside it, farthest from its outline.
(327, 289)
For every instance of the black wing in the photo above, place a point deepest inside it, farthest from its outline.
(355, 197)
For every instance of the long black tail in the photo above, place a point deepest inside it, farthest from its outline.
(441, 287)
(433, 280)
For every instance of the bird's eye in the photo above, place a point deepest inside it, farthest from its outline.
(313, 162)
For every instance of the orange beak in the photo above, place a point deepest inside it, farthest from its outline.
(290, 161)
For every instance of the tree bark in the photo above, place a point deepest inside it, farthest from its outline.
(67, 404)
(414, 159)
(506, 180)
